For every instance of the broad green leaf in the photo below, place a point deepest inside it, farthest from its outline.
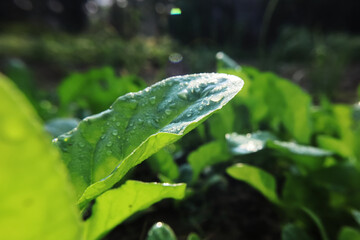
(161, 231)
(308, 156)
(257, 178)
(207, 155)
(102, 149)
(60, 126)
(37, 200)
(163, 163)
(293, 232)
(349, 233)
(116, 205)
(249, 143)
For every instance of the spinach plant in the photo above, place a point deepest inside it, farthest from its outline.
(35, 189)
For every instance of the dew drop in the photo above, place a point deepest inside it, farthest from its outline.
(167, 112)
(115, 132)
(140, 120)
(201, 107)
(81, 144)
(102, 137)
(153, 100)
(109, 144)
(217, 98)
(183, 94)
(117, 124)
(189, 114)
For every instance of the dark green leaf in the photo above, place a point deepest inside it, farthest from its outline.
(114, 206)
(104, 147)
(293, 232)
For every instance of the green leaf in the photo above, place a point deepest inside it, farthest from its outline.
(116, 205)
(335, 145)
(104, 147)
(259, 179)
(60, 126)
(356, 214)
(96, 89)
(163, 163)
(308, 156)
(222, 122)
(348, 233)
(317, 222)
(207, 155)
(249, 143)
(193, 236)
(279, 102)
(161, 231)
(37, 201)
(293, 232)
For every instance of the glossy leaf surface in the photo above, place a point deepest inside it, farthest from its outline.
(114, 206)
(259, 179)
(249, 143)
(101, 150)
(37, 201)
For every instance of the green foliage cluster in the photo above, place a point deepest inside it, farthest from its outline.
(303, 158)
(98, 153)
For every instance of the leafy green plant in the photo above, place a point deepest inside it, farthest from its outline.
(98, 153)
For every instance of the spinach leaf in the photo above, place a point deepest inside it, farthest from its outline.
(104, 147)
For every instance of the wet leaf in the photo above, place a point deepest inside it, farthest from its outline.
(104, 147)
(114, 206)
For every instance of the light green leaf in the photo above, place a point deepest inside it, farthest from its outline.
(293, 232)
(348, 233)
(259, 179)
(335, 145)
(104, 147)
(249, 143)
(222, 122)
(37, 201)
(161, 231)
(163, 163)
(207, 155)
(114, 206)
